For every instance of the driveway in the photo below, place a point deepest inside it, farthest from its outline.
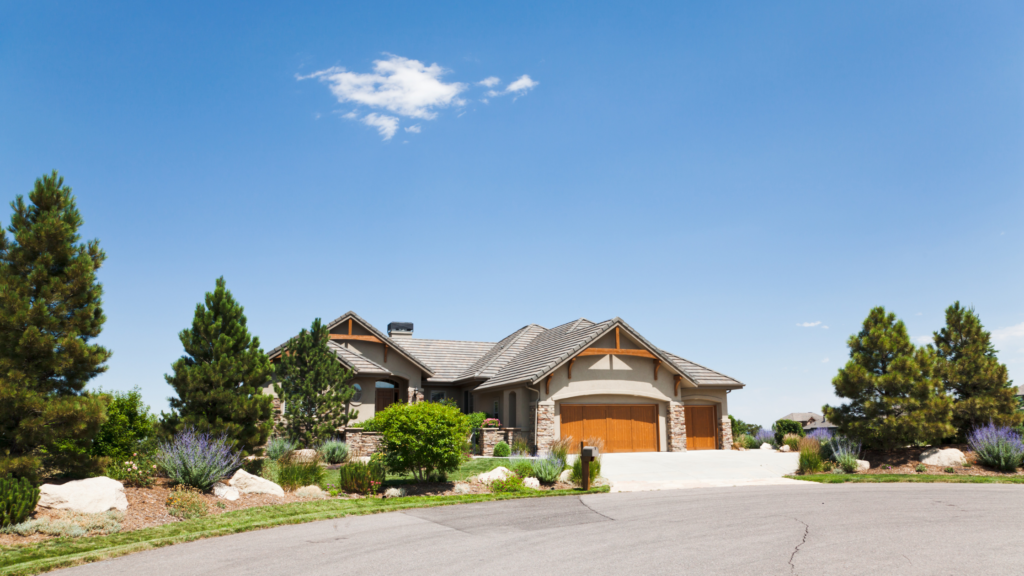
(698, 469)
(846, 529)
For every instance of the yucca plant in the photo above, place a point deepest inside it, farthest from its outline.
(333, 451)
(18, 498)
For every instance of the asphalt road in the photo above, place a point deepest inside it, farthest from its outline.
(877, 529)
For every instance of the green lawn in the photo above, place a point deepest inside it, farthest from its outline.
(928, 478)
(63, 552)
(470, 468)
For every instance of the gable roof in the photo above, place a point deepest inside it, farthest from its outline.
(383, 337)
(502, 353)
(355, 361)
(700, 375)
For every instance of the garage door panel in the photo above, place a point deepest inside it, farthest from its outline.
(572, 422)
(595, 422)
(644, 428)
(622, 427)
(700, 428)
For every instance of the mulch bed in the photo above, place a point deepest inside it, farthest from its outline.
(906, 460)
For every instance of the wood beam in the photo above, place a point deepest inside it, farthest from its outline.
(657, 364)
(547, 385)
(386, 354)
(617, 351)
(349, 326)
(617, 338)
(571, 361)
(678, 380)
(356, 337)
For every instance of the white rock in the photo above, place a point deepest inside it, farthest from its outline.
(499, 473)
(565, 475)
(222, 490)
(311, 492)
(532, 483)
(863, 465)
(784, 448)
(92, 495)
(307, 455)
(600, 481)
(363, 459)
(248, 484)
(766, 446)
(942, 457)
(461, 488)
(394, 492)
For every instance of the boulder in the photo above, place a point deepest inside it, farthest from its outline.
(225, 492)
(462, 488)
(92, 495)
(363, 459)
(248, 484)
(863, 465)
(532, 483)
(307, 455)
(784, 448)
(766, 446)
(942, 457)
(565, 475)
(499, 473)
(311, 492)
(394, 492)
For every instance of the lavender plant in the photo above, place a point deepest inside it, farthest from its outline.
(197, 460)
(845, 451)
(764, 436)
(547, 470)
(1000, 447)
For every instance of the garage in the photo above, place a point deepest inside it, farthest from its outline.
(623, 427)
(701, 433)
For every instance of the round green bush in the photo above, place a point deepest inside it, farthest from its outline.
(783, 427)
(502, 450)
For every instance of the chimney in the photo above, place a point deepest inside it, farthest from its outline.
(400, 329)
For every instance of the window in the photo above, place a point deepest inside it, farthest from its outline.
(496, 406)
(437, 395)
(358, 396)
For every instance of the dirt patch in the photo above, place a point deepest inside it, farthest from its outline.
(906, 461)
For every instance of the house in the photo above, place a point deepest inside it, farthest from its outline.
(809, 420)
(580, 379)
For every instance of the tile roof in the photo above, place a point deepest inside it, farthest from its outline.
(384, 337)
(502, 353)
(700, 375)
(356, 361)
(448, 358)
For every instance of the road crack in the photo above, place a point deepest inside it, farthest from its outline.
(594, 511)
(807, 530)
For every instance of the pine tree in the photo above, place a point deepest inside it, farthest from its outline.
(50, 310)
(895, 399)
(221, 378)
(314, 387)
(972, 375)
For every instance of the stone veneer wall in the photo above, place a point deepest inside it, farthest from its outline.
(491, 437)
(676, 427)
(415, 395)
(725, 433)
(361, 442)
(544, 435)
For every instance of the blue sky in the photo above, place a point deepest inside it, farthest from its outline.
(717, 174)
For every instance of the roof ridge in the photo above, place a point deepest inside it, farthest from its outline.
(444, 340)
(515, 338)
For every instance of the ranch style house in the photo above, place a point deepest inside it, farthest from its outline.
(582, 379)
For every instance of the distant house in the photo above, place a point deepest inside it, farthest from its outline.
(809, 420)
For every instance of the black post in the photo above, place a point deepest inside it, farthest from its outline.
(586, 469)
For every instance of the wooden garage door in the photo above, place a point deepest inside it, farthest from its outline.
(700, 428)
(623, 427)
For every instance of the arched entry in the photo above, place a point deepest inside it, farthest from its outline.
(386, 393)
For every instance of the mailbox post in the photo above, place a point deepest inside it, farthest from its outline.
(587, 455)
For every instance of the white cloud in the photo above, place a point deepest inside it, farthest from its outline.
(351, 115)
(415, 129)
(386, 125)
(824, 327)
(922, 340)
(520, 86)
(490, 81)
(1016, 331)
(825, 360)
(809, 324)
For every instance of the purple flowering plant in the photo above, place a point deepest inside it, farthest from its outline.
(198, 460)
(764, 435)
(1000, 447)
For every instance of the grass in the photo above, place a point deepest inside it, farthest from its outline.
(929, 478)
(470, 468)
(63, 552)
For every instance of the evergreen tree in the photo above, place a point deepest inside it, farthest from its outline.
(972, 375)
(221, 379)
(895, 399)
(50, 310)
(314, 387)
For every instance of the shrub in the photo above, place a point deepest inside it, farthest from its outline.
(547, 470)
(129, 428)
(523, 467)
(360, 477)
(279, 446)
(521, 447)
(292, 474)
(186, 502)
(425, 438)
(920, 468)
(810, 457)
(476, 420)
(18, 498)
(765, 436)
(997, 446)
(576, 476)
(845, 451)
(949, 470)
(783, 427)
(511, 485)
(134, 472)
(197, 460)
(822, 435)
(69, 524)
(560, 448)
(502, 450)
(491, 423)
(793, 441)
(749, 442)
(333, 451)
(254, 466)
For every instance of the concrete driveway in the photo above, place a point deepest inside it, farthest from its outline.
(698, 469)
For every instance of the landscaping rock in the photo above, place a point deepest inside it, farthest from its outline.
(600, 481)
(248, 484)
(499, 473)
(784, 448)
(766, 446)
(307, 455)
(532, 483)
(461, 488)
(363, 459)
(863, 465)
(564, 476)
(311, 492)
(92, 495)
(394, 492)
(942, 457)
(223, 491)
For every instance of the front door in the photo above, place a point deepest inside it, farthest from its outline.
(700, 428)
(385, 397)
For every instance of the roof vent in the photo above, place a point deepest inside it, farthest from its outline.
(400, 329)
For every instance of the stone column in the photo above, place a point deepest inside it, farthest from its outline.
(489, 438)
(362, 443)
(545, 433)
(676, 427)
(725, 433)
